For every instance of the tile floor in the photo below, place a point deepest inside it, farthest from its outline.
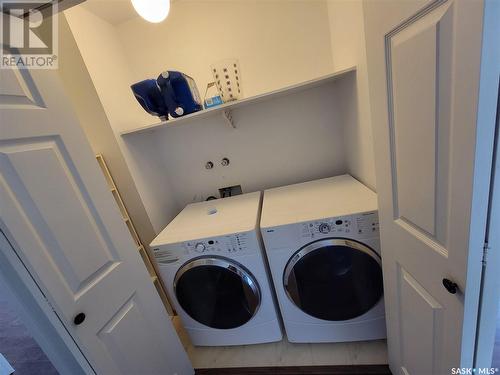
(17, 346)
(284, 353)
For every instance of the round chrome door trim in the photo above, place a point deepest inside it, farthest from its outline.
(318, 245)
(236, 268)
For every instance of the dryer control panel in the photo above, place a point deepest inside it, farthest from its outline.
(362, 225)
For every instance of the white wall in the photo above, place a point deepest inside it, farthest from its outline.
(107, 63)
(108, 66)
(301, 137)
(278, 43)
(347, 37)
(284, 140)
(85, 100)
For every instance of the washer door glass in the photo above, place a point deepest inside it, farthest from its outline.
(334, 279)
(217, 292)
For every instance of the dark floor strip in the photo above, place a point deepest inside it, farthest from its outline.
(299, 370)
(17, 346)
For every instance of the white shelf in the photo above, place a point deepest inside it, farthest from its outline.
(225, 109)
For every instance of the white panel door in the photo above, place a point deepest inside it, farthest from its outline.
(57, 211)
(433, 160)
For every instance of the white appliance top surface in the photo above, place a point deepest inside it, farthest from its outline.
(315, 200)
(213, 218)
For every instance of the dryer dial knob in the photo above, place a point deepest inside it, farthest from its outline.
(199, 247)
(324, 228)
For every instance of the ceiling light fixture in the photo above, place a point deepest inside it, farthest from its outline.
(152, 10)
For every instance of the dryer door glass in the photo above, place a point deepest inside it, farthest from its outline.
(334, 279)
(217, 292)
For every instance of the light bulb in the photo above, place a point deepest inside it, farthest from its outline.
(152, 10)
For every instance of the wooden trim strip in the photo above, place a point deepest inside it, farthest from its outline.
(299, 370)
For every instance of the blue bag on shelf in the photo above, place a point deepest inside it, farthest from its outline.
(149, 96)
(179, 92)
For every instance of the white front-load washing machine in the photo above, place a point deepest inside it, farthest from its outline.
(213, 265)
(322, 243)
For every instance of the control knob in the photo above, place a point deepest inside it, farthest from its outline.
(199, 247)
(324, 228)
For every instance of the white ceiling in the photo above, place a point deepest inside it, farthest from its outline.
(112, 11)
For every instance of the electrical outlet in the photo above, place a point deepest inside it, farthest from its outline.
(230, 191)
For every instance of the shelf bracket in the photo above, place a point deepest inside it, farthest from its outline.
(228, 116)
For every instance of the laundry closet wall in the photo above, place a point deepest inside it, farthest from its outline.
(347, 24)
(105, 61)
(278, 43)
(94, 122)
(285, 140)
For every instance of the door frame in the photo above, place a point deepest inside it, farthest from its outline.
(489, 300)
(36, 312)
(482, 180)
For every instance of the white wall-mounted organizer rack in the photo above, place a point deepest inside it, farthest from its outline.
(144, 253)
(225, 110)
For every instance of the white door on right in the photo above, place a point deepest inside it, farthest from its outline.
(433, 147)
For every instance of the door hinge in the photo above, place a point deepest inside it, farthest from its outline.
(486, 249)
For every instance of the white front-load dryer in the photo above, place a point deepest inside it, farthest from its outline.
(322, 243)
(213, 265)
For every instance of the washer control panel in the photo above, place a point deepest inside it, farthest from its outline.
(231, 244)
(361, 225)
(234, 244)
